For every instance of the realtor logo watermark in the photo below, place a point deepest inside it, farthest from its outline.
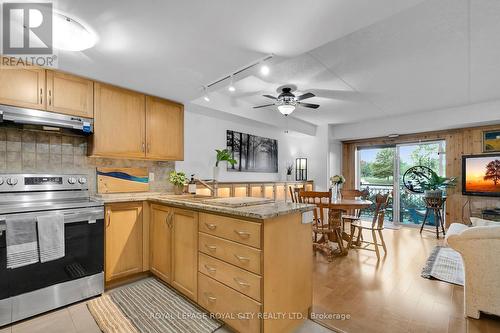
(27, 34)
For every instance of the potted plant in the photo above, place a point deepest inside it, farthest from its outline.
(434, 185)
(337, 182)
(222, 155)
(289, 170)
(179, 180)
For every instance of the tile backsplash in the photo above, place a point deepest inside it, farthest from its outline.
(25, 151)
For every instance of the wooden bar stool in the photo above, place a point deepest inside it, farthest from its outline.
(434, 206)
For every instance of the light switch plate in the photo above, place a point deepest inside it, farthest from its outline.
(151, 177)
(307, 217)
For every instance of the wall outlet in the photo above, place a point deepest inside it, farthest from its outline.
(151, 177)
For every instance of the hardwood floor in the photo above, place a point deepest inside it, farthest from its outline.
(390, 296)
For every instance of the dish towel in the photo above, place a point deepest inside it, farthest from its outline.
(22, 247)
(51, 237)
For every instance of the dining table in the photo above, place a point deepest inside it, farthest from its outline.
(335, 211)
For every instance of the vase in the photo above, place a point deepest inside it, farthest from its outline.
(336, 195)
(289, 178)
(216, 173)
(178, 189)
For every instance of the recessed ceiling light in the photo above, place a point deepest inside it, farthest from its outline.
(71, 35)
(264, 70)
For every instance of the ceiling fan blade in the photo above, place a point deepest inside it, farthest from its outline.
(262, 106)
(306, 95)
(269, 96)
(308, 105)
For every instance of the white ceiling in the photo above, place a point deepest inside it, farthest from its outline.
(364, 59)
(171, 48)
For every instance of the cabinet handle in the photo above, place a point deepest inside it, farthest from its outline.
(41, 96)
(210, 269)
(210, 297)
(143, 147)
(211, 247)
(242, 234)
(170, 218)
(108, 219)
(240, 258)
(211, 226)
(50, 97)
(241, 282)
(149, 147)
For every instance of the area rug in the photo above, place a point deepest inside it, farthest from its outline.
(444, 264)
(149, 306)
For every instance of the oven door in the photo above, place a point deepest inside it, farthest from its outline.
(84, 253)
(5, 302)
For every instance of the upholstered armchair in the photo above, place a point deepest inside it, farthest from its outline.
(480, 250)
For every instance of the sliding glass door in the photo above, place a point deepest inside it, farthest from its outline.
(381, 169)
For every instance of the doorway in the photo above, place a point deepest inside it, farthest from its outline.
(381, 170)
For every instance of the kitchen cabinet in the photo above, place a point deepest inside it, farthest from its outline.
(161, 242)
(185, 252)
(23, 87)
(70, 94)
(123, 240)
(119, 122)
(164, 129)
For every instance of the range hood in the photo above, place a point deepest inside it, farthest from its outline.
(36, 117)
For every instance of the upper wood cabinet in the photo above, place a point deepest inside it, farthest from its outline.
(23, 86)
(160, 241)
(70, 94)
(124, 240)
(164, 129)
(119, 122)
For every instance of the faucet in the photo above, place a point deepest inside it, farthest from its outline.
(213, 189)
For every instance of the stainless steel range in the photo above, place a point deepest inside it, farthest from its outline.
(38, 287)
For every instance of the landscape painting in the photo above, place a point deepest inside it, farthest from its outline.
(252, 153)
(491, 141)
(483, 174)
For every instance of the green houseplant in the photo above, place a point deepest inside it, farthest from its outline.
(434, 185)
(178, 179)
(222, 155)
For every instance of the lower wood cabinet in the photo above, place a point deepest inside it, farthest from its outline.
(174, 248)
(124, 240)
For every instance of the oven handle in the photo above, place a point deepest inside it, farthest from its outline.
(70, 216)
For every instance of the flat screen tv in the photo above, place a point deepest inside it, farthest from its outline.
(481, 175)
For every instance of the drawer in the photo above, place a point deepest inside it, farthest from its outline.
(240, 231)
(232, 276)
(237, 254)
(237, 310)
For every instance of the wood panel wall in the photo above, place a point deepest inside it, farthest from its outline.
(464, 141)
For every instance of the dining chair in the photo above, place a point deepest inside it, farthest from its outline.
(375, 226)
(353, 214)
(322, 224)
(294, 193)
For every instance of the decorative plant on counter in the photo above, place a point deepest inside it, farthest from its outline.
(178, 179)
(289, 170)
(337, 181)
(222, 155)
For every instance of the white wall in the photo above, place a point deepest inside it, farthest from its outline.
(205, 131)
(457, 117)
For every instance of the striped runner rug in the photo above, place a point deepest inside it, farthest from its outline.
(149, 306)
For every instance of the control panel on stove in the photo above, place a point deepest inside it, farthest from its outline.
(36, 182)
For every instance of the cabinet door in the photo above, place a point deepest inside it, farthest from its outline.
(119, 122)
(23, 86)
(70, 94)
(161, 242)
(164, 129)
(185, 252)
(123, 240)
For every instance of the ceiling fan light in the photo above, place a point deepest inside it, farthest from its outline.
(286, 109)
(264, 70)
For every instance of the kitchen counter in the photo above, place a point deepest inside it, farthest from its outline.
(260, 212)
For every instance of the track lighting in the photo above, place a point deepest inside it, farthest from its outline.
(264, 70)
(231, 87)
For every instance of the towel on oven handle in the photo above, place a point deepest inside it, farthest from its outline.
(51, 237)
(22, 247)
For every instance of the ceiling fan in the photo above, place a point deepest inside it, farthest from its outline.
(287, 101)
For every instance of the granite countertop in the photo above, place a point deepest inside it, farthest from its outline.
(260, 212)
